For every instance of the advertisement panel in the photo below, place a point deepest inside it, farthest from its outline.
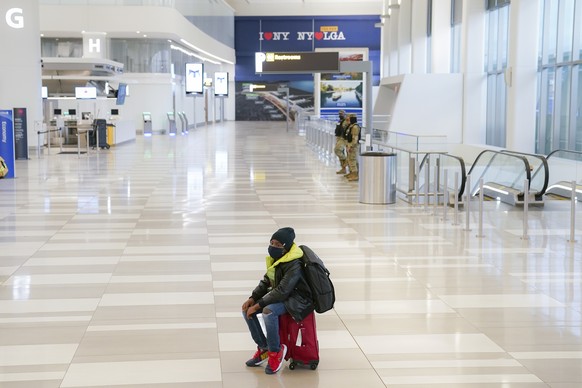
(343, 91)
(221, 83)
(20, 134)
(194, 78)
(7, 140)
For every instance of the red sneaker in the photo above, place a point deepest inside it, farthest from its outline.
(259, 358)
(276, 360)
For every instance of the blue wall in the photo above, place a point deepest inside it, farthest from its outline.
(283, 33)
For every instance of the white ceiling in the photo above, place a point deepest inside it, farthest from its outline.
(305, 7)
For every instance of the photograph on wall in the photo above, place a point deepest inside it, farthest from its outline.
(341, 94)
(262, 101)
(342, 91)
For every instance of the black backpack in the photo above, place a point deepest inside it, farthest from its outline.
(317, 277)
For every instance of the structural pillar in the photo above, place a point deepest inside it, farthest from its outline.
(20, 63)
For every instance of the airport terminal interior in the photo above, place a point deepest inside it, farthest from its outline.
(455, 255)
(129, 266)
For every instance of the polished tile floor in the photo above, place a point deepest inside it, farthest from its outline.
(128, 268)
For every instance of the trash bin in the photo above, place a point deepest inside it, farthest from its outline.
(377, 177)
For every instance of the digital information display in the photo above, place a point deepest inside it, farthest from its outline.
(194, 78)
(221, 83)
(83, 93)
(297, 62)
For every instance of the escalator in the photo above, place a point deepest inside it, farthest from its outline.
(565, 168)
(504, 174)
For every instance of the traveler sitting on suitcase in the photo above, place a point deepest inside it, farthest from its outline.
(282, 289)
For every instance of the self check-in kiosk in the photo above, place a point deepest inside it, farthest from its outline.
(147, 123)
(184, 121)
(172, 124)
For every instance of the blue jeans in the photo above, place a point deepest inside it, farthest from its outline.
(271, 316)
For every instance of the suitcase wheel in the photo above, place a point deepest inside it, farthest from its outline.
(313, 366)
(292, 365)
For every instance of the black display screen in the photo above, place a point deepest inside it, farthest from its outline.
(297, 62)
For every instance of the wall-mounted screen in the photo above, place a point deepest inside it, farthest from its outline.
(221, 83)
(194, 78)
(72, 112)
(121, 93)
(114, 112)
(57, 112)
(44, 92)
(85, 92)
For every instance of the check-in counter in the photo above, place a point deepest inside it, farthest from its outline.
(124, 131)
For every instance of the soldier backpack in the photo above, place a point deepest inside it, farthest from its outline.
(317, 277)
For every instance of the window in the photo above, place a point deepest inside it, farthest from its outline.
(559, 114)
(496, 57)
(456, 18)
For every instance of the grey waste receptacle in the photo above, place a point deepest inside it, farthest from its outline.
(377, 177)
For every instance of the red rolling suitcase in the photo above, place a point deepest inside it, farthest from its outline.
(301, 340)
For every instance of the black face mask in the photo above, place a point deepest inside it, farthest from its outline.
(341, 117)
(276, 253)
(353, 120)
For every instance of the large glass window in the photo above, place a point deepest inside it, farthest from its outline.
(141, 55)
(456, 18)
(496, 57)
(559, 122)
(61, 47)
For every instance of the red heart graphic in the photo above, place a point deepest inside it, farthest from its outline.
(268, 35)
(319, 35)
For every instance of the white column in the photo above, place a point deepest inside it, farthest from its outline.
(404, 37)
(521, 77)
(418, 27)
(441, 36)
(472, 62)
(20, 67)
(385, 42)
(394, 21)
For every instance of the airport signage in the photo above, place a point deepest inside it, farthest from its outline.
(7, 140)
(297, 62)
(20, 133)
(15, 18)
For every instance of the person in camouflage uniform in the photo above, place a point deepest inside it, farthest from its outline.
(352, 138)
(340, 142)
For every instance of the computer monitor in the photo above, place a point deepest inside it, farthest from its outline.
(72, 112)
(57, 112)
(121, 93)
(85, 93)
(114, 112)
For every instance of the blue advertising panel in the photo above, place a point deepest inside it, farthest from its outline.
(280, 34)
(7, 140)
(302, 33)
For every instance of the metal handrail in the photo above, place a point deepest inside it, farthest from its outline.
(544, 164)
(461, 163)
(579, 153)
(496, 154)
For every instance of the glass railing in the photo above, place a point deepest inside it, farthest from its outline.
(501, 173)
(446, 164)
(540, 172)
(565, 166)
